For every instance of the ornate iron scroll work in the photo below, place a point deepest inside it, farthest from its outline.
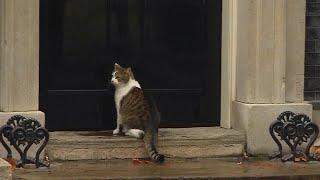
(294, 130)
(22, 133)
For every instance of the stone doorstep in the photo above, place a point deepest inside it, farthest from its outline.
(5, 170)
(173, 142)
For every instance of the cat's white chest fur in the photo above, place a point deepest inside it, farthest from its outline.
(123, 90)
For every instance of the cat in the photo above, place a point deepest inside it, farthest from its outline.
(137, 114)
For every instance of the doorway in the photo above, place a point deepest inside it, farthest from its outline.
(173, 47)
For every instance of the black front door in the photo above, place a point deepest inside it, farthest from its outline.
(173, 47)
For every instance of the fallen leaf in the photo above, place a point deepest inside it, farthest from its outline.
(315, 152)
(301, 157)
(12, 162)
(315, 149)
(137, 161)
(147, 161)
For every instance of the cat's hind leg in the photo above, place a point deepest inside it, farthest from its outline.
(137, 133)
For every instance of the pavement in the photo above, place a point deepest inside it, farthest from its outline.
(226, 168)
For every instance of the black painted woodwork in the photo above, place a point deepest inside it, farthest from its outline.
(173, 47)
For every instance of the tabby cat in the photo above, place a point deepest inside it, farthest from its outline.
(137, 114)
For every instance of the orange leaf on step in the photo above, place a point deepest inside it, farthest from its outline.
(137, 161)
(301, 157)
(12, 162)
(315, 151)
(147, 161)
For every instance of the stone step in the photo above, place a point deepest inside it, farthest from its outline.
(173, 142)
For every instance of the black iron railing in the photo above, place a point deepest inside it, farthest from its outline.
(22, 133)
(294, 130)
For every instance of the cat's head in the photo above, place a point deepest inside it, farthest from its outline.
(121, 75)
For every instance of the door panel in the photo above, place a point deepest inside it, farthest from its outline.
(173, 47)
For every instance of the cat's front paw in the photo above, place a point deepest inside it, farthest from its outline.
(116, 131)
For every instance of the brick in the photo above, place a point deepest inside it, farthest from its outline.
(310, 46)
(313, 33)
(309, 96)
(313, 21)
(317, 71)
(317, 47)
(312, 71)
(317, 96)
(312, 1)
(312, 84)
(313, 9)
(312, 58)
(309, 71)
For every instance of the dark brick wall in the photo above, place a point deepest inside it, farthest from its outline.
(312, 51)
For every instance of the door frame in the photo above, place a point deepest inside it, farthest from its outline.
(228, 61)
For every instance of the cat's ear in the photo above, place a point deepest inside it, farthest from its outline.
(117, 66)
(129, 71)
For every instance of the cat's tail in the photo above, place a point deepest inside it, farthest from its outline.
(151, 133)
(150, 141)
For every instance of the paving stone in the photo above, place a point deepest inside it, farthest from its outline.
(230, 168)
